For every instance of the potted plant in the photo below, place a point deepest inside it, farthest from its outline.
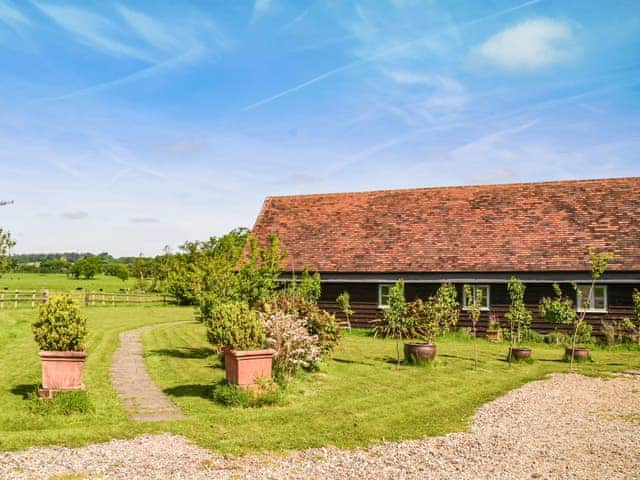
(494, 330)
(519, 320)
(59, 331)
(438, 314)
(239, 335)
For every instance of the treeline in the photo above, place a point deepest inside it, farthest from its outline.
(211, 266)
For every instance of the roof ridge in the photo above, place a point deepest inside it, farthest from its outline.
(450, 187)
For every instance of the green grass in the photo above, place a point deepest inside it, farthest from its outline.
(59, 281)
(21, 426)
(358, 398)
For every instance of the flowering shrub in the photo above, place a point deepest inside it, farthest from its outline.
(295, 347)
(320, 323)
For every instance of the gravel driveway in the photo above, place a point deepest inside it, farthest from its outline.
(567, 426)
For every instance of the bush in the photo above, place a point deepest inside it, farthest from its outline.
(320, 323)
(60, 325)
(234, 325)
(295, 346)
(64, 403)
(266, 392)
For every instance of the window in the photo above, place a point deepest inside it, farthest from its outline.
(596, 302)
(480, 295)
(383, 295)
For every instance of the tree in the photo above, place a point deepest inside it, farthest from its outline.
(118, 270)
(395, 323)
(558, 310)
(473, 309)
(308, 288)
(518, 316)
(6, 244)
(344, 303)
(635, 322)
(87, 267)
(258, 274)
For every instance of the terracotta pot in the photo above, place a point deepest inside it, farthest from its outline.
(494, 335)
(61, 371)
(578, 353)
(419, 352)
(243, 367)
(519, 353)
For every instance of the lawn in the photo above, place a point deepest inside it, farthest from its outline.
(358, 398)
(60, 281)
(20, 374)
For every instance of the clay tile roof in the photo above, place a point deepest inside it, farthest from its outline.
(489, 228)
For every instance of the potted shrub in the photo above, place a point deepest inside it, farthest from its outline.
(438, 314)
(519, 320)
(59, 331)
(237, 332)
(494, 330)
(559, 311)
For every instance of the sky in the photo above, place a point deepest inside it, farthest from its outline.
(134, 125)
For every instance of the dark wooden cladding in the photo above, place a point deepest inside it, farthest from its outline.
(364, 302)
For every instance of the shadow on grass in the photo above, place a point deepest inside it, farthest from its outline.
(354, 362)
(193, 390)
(25, 390)
(186, 352)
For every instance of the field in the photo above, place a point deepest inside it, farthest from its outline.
(61, 282)
(357, 398)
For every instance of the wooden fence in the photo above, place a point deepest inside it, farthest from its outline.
(32, 298)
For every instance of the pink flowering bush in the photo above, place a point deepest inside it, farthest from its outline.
(296, 348)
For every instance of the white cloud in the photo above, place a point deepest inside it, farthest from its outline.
(530, 45)
(12, 16)
(93, 30)
(152, 31)
(446, 93)
(261, 6)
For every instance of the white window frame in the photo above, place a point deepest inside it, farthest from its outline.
(380, 287)
(473, 289)
(592, 300)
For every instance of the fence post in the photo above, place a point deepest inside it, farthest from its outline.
(33, 299)
(45, 296)
(113, 300)
(86, 298)
(15, 305)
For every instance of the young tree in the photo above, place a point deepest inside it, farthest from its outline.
(599, 263)
(518, 316)
(558, 310)
(395, 323)
(344, 302)
(635, 322)
(473, 308)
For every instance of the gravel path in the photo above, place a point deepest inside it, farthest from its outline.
(129, 376)
(568, 426)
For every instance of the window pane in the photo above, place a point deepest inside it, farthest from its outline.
(483, 297)
(583, 297)
(384, 294)
(599, 298)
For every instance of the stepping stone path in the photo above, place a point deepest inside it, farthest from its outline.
(129, 376)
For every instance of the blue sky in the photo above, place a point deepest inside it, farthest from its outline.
(127, 126)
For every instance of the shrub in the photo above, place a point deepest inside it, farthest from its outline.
(438, 315)
(295, 346)
(308, 288)
(234, 325)
(60, 325)
(319, 322)
(266, 392)
(494, 323)
(344, 303)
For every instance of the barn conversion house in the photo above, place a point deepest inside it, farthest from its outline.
(479, 235)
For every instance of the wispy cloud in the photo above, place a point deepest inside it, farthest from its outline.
(152, 31)
(382, 53)
(12, 16)
(530, 45)
(77, 215)
(143, 220)
(64, 167)
(260, 7)
(444, 93)
(93, 30)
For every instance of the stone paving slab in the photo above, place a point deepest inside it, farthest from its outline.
(129, 376)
